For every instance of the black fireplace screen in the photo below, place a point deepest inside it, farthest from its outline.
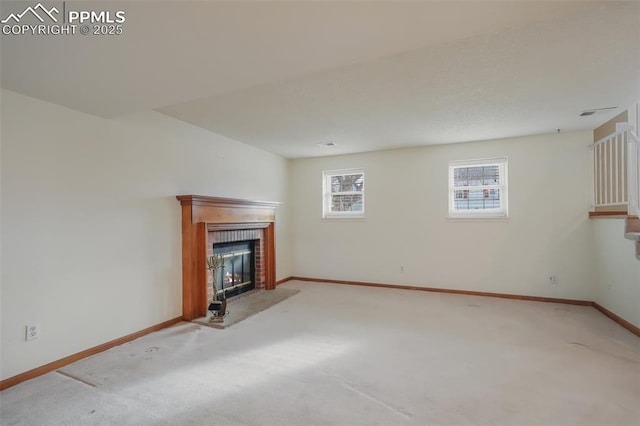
(237, 275)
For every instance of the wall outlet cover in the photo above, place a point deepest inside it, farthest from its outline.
(32, 331)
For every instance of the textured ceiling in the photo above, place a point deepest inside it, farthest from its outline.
(285, 76)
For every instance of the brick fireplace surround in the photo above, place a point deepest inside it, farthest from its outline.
(210, 220)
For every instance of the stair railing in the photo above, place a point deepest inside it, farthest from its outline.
(610, 171)
(633, 167)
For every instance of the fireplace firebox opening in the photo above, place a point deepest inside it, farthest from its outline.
(238, 273)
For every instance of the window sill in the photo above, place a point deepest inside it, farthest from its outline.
(344, 218)
(478, 218)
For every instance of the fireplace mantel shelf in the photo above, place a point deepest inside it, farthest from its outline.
(201, 214)
(201, 200)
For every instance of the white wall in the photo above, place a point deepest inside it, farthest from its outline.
(406, 221)
(618, 270)
(91, 240)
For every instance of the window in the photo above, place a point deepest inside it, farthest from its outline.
(343, 193)
(478, 188)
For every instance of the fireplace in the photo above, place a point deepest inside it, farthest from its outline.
(237, 273)
(231, 227)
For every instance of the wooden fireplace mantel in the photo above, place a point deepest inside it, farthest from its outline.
(201, 214)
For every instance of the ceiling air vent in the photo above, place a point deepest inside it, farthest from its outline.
(327, 144)
(589, 112)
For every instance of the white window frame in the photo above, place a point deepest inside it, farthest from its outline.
(327, 194)
(502, 186)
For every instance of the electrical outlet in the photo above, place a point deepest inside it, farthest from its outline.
(553, 279)
(32, 331)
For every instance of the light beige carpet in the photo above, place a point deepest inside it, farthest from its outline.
(346, 355)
